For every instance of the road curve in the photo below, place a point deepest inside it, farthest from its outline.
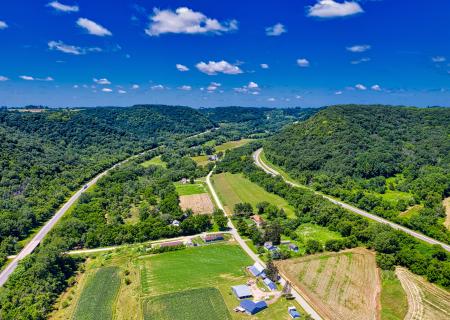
(415, 234)
(29, 248)
(305, 305)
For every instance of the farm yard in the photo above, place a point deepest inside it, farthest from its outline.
(203, 160)
(234, 188)
(425, 300)
(341, 285)
(195, 197)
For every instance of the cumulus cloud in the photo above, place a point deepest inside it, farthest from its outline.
(93, 28)
(361, 87)
(3, 25)
(264, 66)
(338, 93)
(376, 87)
(121, 91)
(271, 99)
(213, 86)
(185, 88)
(303, 63)
(70, 49)
(181, 67)
(135, 86)
(359, 48)
(107, 90)
(213, 67)
(334, 9)
(30, 78)
(438, 59)
(102, 81)
(158, 87)
(63, 7)
(362, 60)
(3, 78)
(185, 20)
(275, 30)
(251, 87)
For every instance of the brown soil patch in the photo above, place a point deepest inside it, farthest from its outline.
(425, 300)
(198, 203)
(344, 285)
(446, 204)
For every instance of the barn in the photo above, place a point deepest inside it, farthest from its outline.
(242, 291)
(252, 307)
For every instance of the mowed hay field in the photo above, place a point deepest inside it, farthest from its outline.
(195, 197)
(99, 293)
(196, 304)
(341, 285)
(426, 301)
(234, 188)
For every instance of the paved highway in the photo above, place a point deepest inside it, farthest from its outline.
(299, 298)
(415, 234)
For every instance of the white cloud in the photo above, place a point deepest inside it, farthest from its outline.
(264, 66)
(135, 86)
(3, 25)
(276, 30)
(63, 7)
(71, 49)
(375, 87)
(185, 20)
(107, 90)
(213, 86)
(361, 87)
(181, 67)
(359, 48)
(75, 86)
(304, 63)
(185, 88)
(158, 87)
(438, 59)
(252, 85)
(3, 78)
(360, 61)
(30, 78)
(213, 68)
(102, 81)
(334, 9)
(121, 91)
(338, 93)
(271, 99)
(93, 27)
(298, 97)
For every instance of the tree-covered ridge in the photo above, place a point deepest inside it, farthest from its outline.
(363, 153)
(45, 156)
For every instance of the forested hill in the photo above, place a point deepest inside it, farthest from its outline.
(351, 151)
(46, 155)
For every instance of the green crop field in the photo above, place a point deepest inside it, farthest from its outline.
(313, 231)
(156, 161)
(234, 188)
(196, 304)
(188, 189)
(394, 304)
(98, 295)
(232, 144)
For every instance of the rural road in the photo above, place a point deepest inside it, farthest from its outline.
(304, 304)
(29, 248)
(415, 234)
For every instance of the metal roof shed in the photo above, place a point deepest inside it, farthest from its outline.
(242, 291)
(253, 307)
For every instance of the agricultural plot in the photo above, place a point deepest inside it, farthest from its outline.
(156, 161)
(198, 203)
(232, 144)
(189, 188)
(97, 298)
(196, 304)
(234, 188)
(446, 204)
(425, 300)
(394, 304)
(341, 285)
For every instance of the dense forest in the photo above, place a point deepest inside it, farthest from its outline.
(392, 161)
(393, 247)
(47, 155)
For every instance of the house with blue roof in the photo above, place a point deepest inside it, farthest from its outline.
(270, 284)
(252, 307)
(256, 269)
(293, 313)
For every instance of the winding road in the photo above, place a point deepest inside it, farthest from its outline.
(299, 298)
(260, 163)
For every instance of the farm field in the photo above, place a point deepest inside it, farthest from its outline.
(156, 161)
(190, 188)
(98, 296)
(234, 188)
(232, 144)
(201, 160)
(394, 304)
(309, 231)
(426, 301)
(333, 283)
(446, 203)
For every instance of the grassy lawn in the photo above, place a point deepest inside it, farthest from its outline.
(189, 189)
(231, 145)
(156, 161)
(313, 231)
(394, 196)
(234, 188)
(98, 296)
(201, 160)
(394, 304)
(196, 304)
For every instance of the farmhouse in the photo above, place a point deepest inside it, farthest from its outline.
(258, 220)
(293, 313)
(270, 284)
(213, 237)
(256, 269)
(251, 307)
(269, 246)
(242, 291)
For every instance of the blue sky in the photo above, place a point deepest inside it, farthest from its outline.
(253, 53)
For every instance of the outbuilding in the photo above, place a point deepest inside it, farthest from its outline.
(294, 313)
(213, 237)
(242, 291)
(256, 269)
(270, 284)
(293, 247)
(252, 307)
